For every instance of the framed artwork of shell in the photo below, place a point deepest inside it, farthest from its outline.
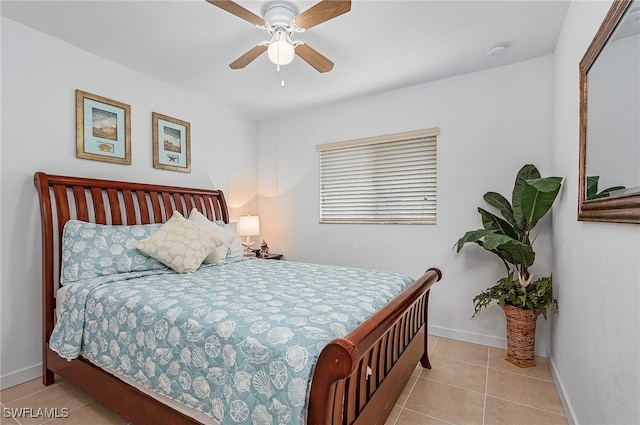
(103, 129)
(171, 143)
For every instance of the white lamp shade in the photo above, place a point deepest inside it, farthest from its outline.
(248, 225)
(281, 52)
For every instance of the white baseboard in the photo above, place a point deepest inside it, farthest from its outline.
(566, 403)
(20, 376)
(476, 338)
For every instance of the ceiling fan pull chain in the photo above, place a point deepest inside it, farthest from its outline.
(282, 75)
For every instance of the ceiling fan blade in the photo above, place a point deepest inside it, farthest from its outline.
(239, 11)
(321, 12)
(313, 58)
(248, 57)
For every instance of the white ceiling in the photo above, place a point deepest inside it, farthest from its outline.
(377, 46)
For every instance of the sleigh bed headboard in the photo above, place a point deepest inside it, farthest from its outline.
(63, 198)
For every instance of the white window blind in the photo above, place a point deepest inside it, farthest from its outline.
(385, 179)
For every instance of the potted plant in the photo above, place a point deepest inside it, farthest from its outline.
(509, 237)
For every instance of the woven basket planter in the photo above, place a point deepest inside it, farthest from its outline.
(521, 336)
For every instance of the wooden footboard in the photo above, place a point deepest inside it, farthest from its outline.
(357, 378)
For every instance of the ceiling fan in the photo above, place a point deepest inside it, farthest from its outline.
(281, 21)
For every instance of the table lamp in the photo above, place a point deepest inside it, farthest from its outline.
(248, 225)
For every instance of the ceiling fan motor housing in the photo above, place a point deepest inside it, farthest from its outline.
(279, 14)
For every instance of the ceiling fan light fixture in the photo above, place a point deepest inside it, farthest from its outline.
(281, 51)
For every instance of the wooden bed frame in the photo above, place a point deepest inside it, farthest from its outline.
(357, 379)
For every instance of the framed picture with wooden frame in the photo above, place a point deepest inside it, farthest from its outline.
(103, 129)
(171, 143)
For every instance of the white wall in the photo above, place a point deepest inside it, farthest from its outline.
(492, 122)
(595, 343)
(39, 78)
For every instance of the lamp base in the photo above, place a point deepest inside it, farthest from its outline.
(248, 248)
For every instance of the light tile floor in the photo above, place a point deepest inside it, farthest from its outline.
(473, 384)
(468, 384)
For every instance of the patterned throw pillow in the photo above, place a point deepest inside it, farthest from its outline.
(90, 250)
(180, 244)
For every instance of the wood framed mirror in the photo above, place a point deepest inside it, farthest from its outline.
(609, 170)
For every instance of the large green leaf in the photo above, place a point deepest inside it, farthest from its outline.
(527, 172)
(501, 203)
(537, 197)
(509, 249)
(472, 236)
(592, 186)
(605, 193)
(493, 222)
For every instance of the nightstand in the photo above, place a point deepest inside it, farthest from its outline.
(272, 257)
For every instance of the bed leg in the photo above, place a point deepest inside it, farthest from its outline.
(424, 361)
(47, 377)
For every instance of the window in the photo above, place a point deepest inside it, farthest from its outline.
(385, 179)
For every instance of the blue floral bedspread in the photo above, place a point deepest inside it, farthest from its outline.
(237, 340)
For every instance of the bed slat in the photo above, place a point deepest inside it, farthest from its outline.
(188, 205)
(373, 379)
(216, 212)
(155, 203)
(114, 206)
(62, 203)
(129, 208)
(98, 205)
(82, 212)
(178, 204)
(364, 388)
(167, 205)
(144, 209)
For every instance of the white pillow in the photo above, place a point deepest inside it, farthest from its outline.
(180, 244)
(218, 255)
(226, 233)
(235, 248)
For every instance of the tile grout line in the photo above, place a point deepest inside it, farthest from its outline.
(14, 419)
(460, 361)
(523, 375)
(36, 392)
(486, 387)
(40, 391)
(70, 410)
(529, 406)
(448, 384)
(405, 401)
(429, 416)
(429, 352)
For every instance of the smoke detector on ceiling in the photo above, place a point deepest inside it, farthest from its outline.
(497, 50)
